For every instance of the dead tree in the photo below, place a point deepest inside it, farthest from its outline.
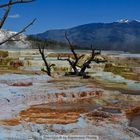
(42, 53)
(6, 8)
(79, 71)
(72, 62)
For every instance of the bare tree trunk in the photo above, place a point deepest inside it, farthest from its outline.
(42, 52)
(73, 63)
(46, 64)
(87, 63)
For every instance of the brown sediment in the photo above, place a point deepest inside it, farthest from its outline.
(50, 116)
(133, 115)
(105, 116)
(11, 122)
(96, 94)
(110, 109)
(58, 112)
(22, 84)
(43, 115)
(98, 114)
(54, 114)
(132, 112)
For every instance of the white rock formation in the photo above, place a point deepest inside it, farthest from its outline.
(21, 43)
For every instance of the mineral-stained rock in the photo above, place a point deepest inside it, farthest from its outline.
(100, 114)
(97, 94)
(113, 110)
(10, 122)
(22, 84)
(45, 115)
(132, 111)
(133, 114)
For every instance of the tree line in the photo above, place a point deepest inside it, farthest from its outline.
(48, 44)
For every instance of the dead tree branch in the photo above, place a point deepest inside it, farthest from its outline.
(16, 34)
(5, 16)
(70, 62)
(88, 62)
(74, 62)
(11, 2)
(71, 47)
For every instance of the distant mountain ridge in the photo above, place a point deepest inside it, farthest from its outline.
(123, 35)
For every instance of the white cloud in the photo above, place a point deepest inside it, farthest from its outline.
(14, 16)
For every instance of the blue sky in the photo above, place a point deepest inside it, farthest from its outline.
(57, 14)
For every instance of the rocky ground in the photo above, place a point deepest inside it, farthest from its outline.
(35, 106)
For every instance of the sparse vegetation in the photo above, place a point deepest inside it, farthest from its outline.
(3, 54)
(122, 70)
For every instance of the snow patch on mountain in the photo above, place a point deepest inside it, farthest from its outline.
(20, 43)
(127, 21)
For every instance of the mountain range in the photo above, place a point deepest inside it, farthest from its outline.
(122, 35)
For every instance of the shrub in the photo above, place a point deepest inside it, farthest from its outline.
(3, 54)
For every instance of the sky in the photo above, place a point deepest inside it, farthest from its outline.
(59, 14)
